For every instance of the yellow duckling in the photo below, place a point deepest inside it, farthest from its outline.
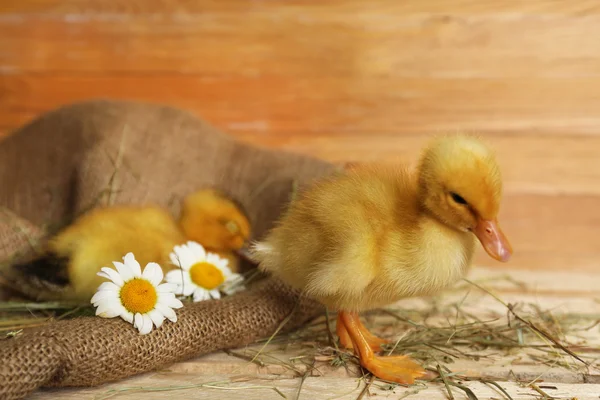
(372, 235)
(216, 222)
(67, 269)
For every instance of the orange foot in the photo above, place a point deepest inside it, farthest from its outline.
(374, 342)
(399, 369)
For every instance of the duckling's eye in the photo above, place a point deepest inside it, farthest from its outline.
(457, 198)
(231, 226)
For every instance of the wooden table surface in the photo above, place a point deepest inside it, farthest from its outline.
(350, 80)
(223, 376)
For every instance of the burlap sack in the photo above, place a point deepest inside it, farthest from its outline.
(59, 165)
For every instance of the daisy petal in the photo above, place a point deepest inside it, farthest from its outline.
(212, 258)
(124, 270)
(146, 325)
(108, 313)
(176, 253)
(216, 259)
(187, 258)
(103, 275)
(153, 273)
(225, 268)
(167, 312)
(179, 291)
(109, 310)
(138, 321)
(108, 286)
(201, 295)
(113, 302)
(234, 279)
(112, 275)
(171, 302)
(165, 296)
(188, 287)
(127, 316)
(104, 295)
(197, 250)
(174, 276)
(215, 294)
(156, 317)
(167, 288)
(132, 263)
(176, 260)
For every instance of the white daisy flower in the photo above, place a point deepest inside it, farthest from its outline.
(139, 298)
(202, 274)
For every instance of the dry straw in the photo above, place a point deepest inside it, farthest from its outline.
(441, 332)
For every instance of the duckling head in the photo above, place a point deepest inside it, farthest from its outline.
(460, 184)
(213, 220)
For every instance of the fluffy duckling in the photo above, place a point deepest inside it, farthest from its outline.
(372, 235)
(67, 269)
(217, 222)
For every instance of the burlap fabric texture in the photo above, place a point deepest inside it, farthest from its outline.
(94, 152)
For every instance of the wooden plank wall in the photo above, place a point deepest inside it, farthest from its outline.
(348, 80)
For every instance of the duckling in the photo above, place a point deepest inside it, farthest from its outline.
(374, 234)
(67, 269)
(216, 222)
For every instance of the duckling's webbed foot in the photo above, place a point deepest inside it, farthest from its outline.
(399, 369)
(374, 342)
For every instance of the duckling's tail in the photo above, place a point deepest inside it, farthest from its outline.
(245, 254)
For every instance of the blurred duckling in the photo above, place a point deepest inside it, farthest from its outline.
(217, 223)
(67, 269)
(374, 234)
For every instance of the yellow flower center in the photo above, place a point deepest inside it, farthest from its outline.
(138, 296)
(206, 275)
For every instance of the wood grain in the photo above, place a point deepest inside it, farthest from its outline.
(348, 81)
(251, 388)
(562, 292)
(279, 40)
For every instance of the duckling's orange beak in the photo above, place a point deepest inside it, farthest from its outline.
(493, 240)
